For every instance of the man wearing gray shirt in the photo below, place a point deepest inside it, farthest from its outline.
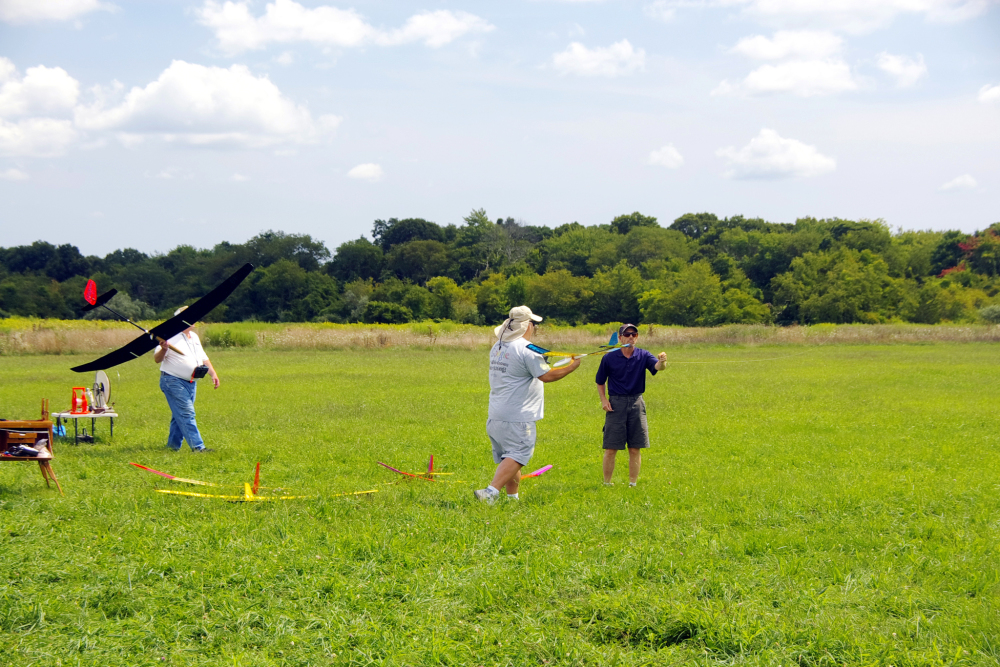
(517, 400)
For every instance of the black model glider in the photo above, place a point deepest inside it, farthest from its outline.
(171, 327)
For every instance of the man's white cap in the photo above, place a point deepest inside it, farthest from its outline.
(516, 324)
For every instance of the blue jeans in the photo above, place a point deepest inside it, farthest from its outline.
(180, 397)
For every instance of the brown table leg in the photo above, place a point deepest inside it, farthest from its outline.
(46, 466)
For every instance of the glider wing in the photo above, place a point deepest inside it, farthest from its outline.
(171, 327)
(537, 473)
(99, 300)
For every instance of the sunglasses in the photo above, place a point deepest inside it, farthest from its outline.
(630, 335)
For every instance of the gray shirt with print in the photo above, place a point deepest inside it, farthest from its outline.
(516, 393)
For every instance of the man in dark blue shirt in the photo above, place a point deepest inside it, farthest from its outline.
(625, 424)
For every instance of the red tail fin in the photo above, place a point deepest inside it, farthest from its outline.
(90, 292)
(430, 466)
(256, 479)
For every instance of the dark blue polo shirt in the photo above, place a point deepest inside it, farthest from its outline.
(626, 376)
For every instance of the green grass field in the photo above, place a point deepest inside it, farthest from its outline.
(836, 505)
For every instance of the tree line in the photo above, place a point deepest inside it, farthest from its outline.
(701, 270)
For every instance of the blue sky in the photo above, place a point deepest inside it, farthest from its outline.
(154, 124)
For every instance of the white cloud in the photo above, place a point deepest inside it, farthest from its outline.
(805, 78)
(854, 16)
(859, 16)
(963, 182)
(907, 71)
(200, 105)
(286, 21)
(26, 11)
(366, 172)
(172, 173)
(807, 44)
(36, 137)
(42, 91)
(286, 58)
(769, 156)
(668, 157)
(661, 10)
(239, 178)
(988, 94)
(13, 174)
(435, 29)
(615, 60)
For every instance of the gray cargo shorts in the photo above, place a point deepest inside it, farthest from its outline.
(627, 424)
(511, 440)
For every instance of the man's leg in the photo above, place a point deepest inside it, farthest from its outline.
(175, 439)
(634, 463)
(615, 434)
(609, 464)
(176, 400)
(638, 437)
(508, 475)
(180, 396)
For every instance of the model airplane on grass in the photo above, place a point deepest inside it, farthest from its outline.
(250, 492)
(428, 476)
(566, 357)
(163, 331)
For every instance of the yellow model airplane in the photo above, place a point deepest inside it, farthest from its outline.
(250, 492)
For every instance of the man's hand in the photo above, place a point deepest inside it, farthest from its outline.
(662, 356)
(215, 380)
(606, 405)
(661, 361)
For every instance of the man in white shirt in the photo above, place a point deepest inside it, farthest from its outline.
(178, 384)
(517, 400)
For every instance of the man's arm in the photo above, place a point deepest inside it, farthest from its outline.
(161, 352)
(561, 372)
(211, 371)
(661, 362)
(605, 403)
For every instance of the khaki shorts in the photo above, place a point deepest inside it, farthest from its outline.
(627, 424)
(511, 440)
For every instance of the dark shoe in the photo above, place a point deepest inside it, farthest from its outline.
(203, 450)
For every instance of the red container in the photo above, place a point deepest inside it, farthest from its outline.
(78, 406)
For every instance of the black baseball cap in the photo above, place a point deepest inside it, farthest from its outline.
(625, 327)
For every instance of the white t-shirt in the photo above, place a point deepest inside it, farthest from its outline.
(516, 393)
(183, 366)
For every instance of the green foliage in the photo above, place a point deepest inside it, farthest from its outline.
(392, 232)
(842, 287)
(623, 224)
(384, 312)
(990, 314)
(694, 225)
(558, 295)
(224, 337)
(691, 297)
(122, 304)
(418, 261)
(356, 259)
(451, 302)
(414, 298)
(812, 270)
(616, 294)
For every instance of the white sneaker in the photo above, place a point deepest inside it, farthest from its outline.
(609, 484)
(486, 496)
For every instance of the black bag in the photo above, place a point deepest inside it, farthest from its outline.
(200, 372)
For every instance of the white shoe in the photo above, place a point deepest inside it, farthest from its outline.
(609, 484)
(486, 496)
